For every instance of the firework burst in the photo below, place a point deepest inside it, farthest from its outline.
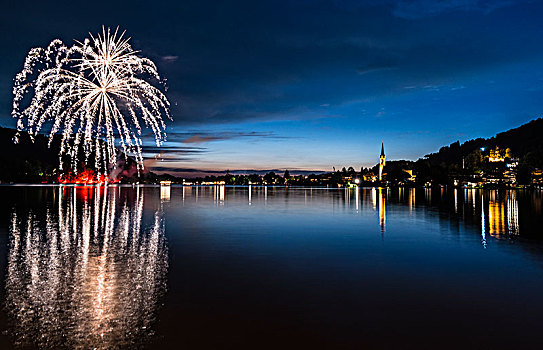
(95, 95)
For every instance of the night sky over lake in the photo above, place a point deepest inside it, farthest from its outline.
(310, 85)
(319, 174)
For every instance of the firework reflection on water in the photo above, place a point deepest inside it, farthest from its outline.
(88, 275)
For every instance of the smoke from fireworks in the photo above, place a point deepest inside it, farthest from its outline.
(95, 95)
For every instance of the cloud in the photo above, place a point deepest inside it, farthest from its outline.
(207, 136)
(170, 59)
(417, 9)
(173, 149)
(374, 67)
(172, 153)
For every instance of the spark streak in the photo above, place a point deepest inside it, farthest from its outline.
(95, 95)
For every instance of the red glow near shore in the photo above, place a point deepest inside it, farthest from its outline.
(86, 177)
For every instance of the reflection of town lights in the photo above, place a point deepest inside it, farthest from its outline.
(411, 199)
(165, 192)
(455, 200)
(483, 233)
(512, 213)
(357, 199)
(496, 218)
(382, 210)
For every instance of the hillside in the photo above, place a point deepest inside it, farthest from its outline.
(524, 141)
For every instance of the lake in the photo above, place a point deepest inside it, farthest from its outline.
(270, 267)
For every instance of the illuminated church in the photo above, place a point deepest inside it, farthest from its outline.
(382, 162)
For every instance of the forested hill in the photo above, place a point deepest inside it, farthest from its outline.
(525, 142)
(26, 161)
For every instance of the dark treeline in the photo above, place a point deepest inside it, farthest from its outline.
(343, 177)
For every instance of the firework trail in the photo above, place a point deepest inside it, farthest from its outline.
(95, 95)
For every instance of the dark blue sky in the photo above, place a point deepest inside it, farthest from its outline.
(312, 84)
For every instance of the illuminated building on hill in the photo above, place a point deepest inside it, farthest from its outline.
(497, 155)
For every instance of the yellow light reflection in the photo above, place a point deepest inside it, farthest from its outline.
(382, 209)
(221, 194)
(496, 218)
(165, 193)
(503, 214)
(411, 199)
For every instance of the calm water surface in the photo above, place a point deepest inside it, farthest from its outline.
(238, 267)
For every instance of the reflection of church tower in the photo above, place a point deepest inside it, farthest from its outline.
(381, 162)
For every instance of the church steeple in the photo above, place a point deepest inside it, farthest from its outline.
(382, 161)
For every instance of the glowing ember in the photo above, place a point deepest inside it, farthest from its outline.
(95, 96)
(86, 177)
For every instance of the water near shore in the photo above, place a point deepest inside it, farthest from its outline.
(237, 267)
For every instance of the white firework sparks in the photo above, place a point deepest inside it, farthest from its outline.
(94, 95)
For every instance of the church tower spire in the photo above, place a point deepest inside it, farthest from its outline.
(382, 161)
